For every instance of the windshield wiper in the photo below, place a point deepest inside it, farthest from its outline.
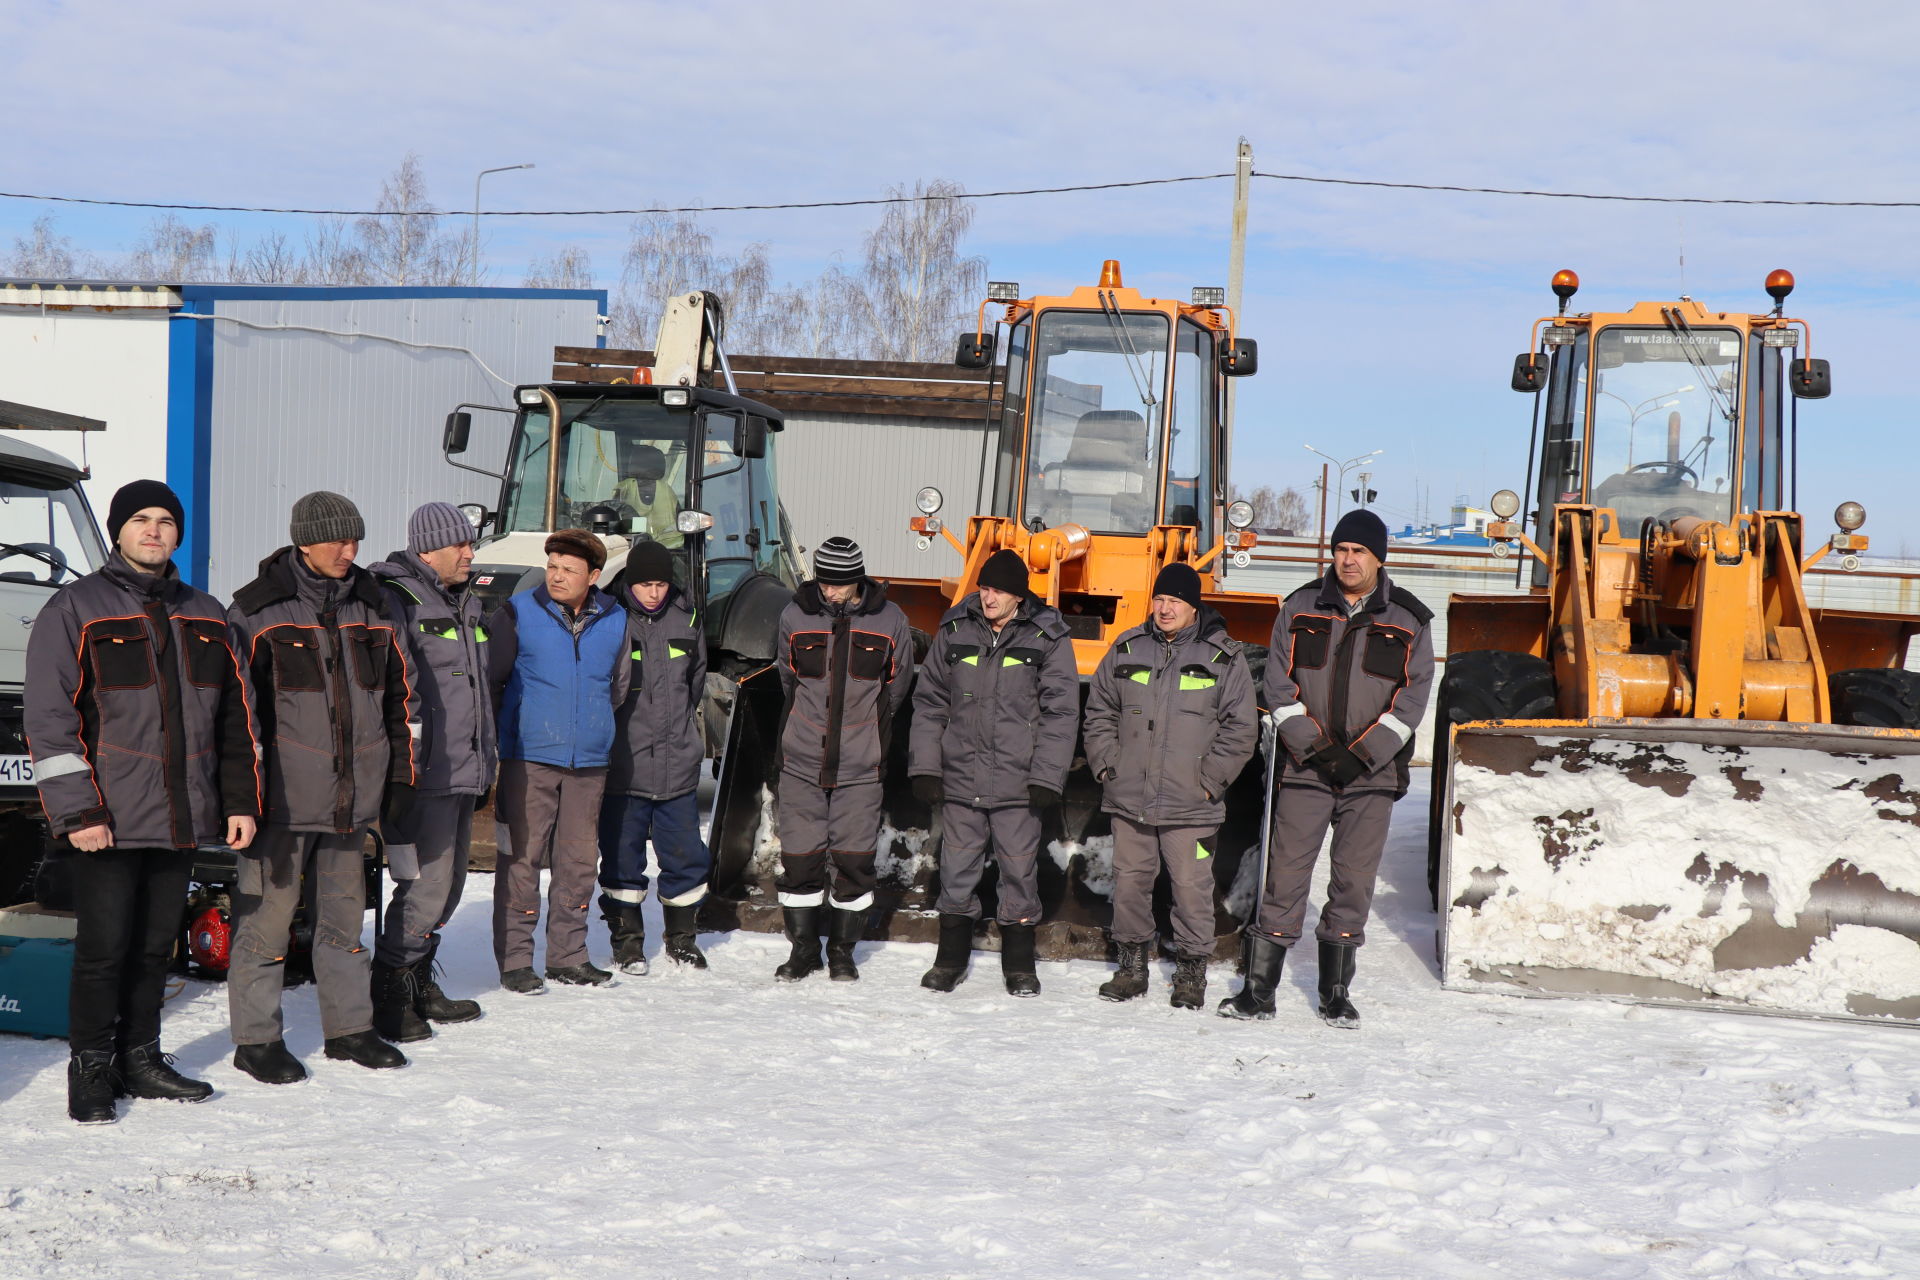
(1709, 380)
(1136, 367)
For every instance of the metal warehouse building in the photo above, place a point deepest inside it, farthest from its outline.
(244, 397)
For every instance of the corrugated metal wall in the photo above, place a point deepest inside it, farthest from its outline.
(856, 477)
(297, 410)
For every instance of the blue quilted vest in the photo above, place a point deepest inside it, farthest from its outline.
(558, 706)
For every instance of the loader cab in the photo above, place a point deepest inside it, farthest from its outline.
(1112, 414)
(1661, 412)
(689, 468)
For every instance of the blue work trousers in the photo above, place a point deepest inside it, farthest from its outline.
(628, 822)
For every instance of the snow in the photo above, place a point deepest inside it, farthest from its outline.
(1576, 843)
(718, 1124)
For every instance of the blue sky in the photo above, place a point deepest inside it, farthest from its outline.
(1387, 319)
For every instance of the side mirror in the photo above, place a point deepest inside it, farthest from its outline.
(750, 436)
(1530, 371)
(477, 515)
(1241, 359)
(1810, 379)
(459, 424)
(976, 350)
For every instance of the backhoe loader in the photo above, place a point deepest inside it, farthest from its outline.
(1661, 774)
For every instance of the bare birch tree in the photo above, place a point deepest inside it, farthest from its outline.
(915, 289)
(403, 241)
(43, 253)
(566, 268)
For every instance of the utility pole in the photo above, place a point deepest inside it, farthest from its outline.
(1237, 252)
(1320, 539)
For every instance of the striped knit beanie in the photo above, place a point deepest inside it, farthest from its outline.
(837, 561)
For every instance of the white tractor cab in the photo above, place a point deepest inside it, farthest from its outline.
(48, 538)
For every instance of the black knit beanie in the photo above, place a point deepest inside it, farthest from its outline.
(1179, 581)
(649, 562)
(1005, 571)
(1363, 528)
(132, 498)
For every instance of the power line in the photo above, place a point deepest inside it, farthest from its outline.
(1591, 195)
(611, 213)
(964, 195)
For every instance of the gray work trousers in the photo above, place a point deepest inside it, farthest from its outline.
(1015, 834)
(1300, 818)
(439, 828)
(267, 890)
(1139, 851)
(819, 823)
(553, 819)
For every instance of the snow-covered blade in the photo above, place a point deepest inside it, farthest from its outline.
(1770, 868)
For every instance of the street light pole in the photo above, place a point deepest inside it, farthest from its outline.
(1344, 467)
(473, 270)
(1237, 250)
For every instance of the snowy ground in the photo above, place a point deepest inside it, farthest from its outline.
(717, 1124)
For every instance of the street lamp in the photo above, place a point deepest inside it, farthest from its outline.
(1340, 485)
(473, 272)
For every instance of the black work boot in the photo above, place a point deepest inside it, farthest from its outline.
(803, 931)
(584, 974)
(522, 981)
(1016, 960)
(1189, 982)
(91, 1087)
(429, 1001)
(951, 957)
(367, 1049)
(1130, 982)
(1336, 976)
(843, 930)
(269, 1063)
(681, 924)
(1264, 957)
(628, 930)
(145, 1072)
(394, 1015)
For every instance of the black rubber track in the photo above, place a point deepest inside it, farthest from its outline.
(1480, 684)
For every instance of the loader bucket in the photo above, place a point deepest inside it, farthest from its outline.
(1760, 867)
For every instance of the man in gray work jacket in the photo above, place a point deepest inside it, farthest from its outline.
(444, 630)
(846, 662)
(657, 752)
(337, 716)
(1171, 719)
(1348, 674)
(141, 728)
(996, 711)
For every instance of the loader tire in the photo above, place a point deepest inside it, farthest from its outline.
(1876, 697)
(1481, 684)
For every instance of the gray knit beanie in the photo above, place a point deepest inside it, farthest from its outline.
(323, 516)
(434, 525)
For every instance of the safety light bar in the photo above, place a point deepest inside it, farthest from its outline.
(1003, 291)
(1209, 296)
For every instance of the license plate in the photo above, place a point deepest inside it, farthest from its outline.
(17, 769)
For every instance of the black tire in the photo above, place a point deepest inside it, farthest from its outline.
(1481, 684)
(1876, 697)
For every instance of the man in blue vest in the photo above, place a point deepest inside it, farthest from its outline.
(558, 665)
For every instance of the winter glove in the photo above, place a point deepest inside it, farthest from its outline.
(1105, 775)
(1298, 734)
(1337, 764)
(480, 801)
(928, 790)
(397, 804)
(1039, 797)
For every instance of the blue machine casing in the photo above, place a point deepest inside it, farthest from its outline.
(34, 976)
